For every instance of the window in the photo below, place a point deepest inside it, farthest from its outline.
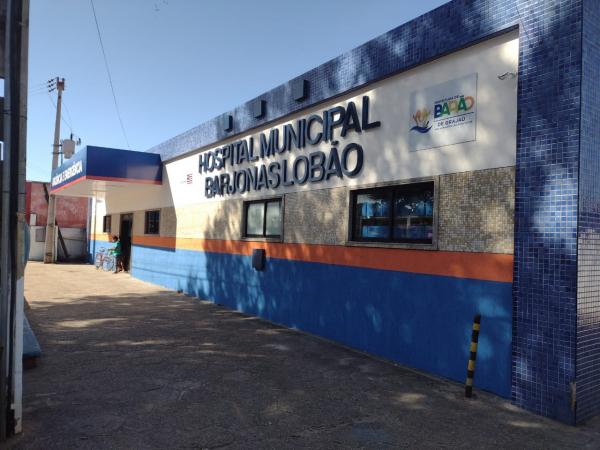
(152, 222)
(106, 224)
(262, 218)
(40, 235)
(401, 213)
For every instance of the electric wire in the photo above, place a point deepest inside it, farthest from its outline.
(32, 94)
(41, 89)
(36, 165)
(68, 112)
(36, 85)
(110, 81)
(44, 84)
(41, 86)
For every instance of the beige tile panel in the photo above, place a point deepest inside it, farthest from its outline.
(138, 223)
(168, 222)
(316, 217)
(212, 220)
(476, 211)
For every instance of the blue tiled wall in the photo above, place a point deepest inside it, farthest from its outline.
(588, 286)
(545, 280)
(545, 333)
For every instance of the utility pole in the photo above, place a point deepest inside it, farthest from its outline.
(50, 247)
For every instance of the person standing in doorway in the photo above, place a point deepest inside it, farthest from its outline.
(116, 251)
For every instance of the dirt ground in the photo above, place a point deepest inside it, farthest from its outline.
(128, 365)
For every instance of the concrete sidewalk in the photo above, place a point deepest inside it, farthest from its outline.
(129, 365)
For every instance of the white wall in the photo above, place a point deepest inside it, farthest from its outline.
(98, 212)
(36, 249)
(387, 155)
(74, 238)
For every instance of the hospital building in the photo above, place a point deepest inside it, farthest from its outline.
(381, 200)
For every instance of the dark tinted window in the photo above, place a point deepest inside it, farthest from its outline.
(106, 224)
(394, 214)
(152, 223)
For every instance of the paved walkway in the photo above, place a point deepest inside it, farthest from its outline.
(128, 365)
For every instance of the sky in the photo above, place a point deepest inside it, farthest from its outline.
(178, 63)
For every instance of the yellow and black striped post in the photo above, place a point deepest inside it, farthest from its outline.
(472, 356)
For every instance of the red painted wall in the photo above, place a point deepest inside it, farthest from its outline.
(71, 212)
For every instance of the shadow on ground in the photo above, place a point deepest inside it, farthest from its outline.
(149, 368)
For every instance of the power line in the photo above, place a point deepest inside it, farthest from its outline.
(43, 84)
(34, 85)
(68, 112)
(33, 94)
(112, 88)
(39, 91)
(36, 165)
(40, 88)
(48, 86)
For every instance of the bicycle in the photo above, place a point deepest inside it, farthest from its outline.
(105, 260)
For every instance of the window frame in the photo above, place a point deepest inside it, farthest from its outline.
(40, 234)
(391, 243)
(106, 229)
(146, 215)
(263, 236)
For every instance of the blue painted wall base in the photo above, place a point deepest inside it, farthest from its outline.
(421, 321)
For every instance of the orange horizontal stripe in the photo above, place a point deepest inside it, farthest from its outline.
(124, 180)
(479, 266)
(102, 237)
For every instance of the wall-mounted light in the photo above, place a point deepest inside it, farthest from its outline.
(258, 108)
(507, 76)
(299, 89)
(227, 122)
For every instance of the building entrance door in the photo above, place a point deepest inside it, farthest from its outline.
(125, 236)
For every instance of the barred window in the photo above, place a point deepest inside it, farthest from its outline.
(152, 222)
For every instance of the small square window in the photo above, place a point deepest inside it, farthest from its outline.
(106, 224)
(152, 222)
(401, 214)
(40, 235)
(262, 218)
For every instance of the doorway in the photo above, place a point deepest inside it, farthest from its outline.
(125, 237)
